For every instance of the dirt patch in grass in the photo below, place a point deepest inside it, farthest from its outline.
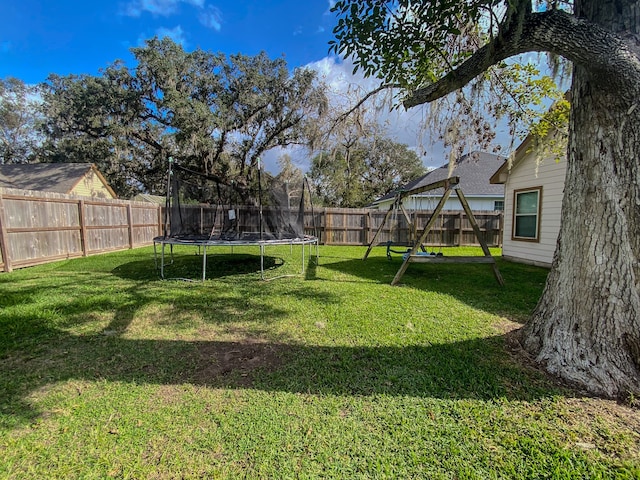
(237, 361)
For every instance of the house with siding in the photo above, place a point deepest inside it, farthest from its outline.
(533, 190)
(474, 170)
(82, 179)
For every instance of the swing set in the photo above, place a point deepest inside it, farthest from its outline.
(413, 255)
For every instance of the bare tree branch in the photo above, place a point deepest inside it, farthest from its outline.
(370, 94)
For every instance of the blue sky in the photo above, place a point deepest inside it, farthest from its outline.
(39, 37)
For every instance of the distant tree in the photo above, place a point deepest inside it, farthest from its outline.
(354, 174)
(291, 177)
(389, 166)
(19, 119)
(211, 113)
(89, 119)
(334, 178)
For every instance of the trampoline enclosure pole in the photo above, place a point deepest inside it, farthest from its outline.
(167, 204)
(260, 199)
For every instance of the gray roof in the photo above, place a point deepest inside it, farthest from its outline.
(43, 177)
(474, 169)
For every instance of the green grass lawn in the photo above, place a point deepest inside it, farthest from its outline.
(108, 372)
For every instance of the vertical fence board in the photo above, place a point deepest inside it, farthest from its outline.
(83, 230)
(5, 257)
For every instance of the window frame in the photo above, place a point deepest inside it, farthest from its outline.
(515, 214)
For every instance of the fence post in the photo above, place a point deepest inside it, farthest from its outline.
(130, 224)
(368, 227)
(83, 229)
(460, 231)
(4, 250)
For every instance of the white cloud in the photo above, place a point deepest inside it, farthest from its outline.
(211, 18)
(399, 125)
(164, 8)
(155, 7)
(331, 5)
(402, 126)
(176, 34)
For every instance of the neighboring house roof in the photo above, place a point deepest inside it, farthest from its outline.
(48, 177)
(474, 170)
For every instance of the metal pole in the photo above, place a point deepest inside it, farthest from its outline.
(167, 204)
(204, 263)
(261, 261)
(260, 199)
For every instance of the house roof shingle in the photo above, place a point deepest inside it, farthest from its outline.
(44, 177)
(474, 169)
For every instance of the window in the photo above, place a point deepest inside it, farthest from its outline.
(498, 205)
(526, 214)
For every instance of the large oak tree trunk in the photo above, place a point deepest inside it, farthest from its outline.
(586, 327)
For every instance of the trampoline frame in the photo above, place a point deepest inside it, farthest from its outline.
(204, 243)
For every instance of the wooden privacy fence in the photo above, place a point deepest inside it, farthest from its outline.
(39, 227)
(342, 226)
(350, 226)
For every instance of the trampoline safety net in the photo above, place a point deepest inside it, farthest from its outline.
(256, 209)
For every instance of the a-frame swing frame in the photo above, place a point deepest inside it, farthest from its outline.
(449, 185)
(395, 206)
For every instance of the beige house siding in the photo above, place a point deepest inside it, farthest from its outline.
(91, 185)
(549, 175)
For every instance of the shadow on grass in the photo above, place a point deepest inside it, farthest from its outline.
(473, 369)
(473, 284)
(189, 266)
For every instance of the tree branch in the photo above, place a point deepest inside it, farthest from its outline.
(360, 102)
(612, 60)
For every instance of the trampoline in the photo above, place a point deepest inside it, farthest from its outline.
(204, 211)
(203, 243)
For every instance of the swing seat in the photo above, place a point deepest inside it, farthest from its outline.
(422, 254)
(390, 250)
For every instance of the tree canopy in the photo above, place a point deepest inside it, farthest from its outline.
(211, 112)
(411, 45)
(355, 174)
(19, 121)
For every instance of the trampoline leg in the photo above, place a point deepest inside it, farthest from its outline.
(155, 255)
(261, 262)
(162, 262)
(204, 263)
